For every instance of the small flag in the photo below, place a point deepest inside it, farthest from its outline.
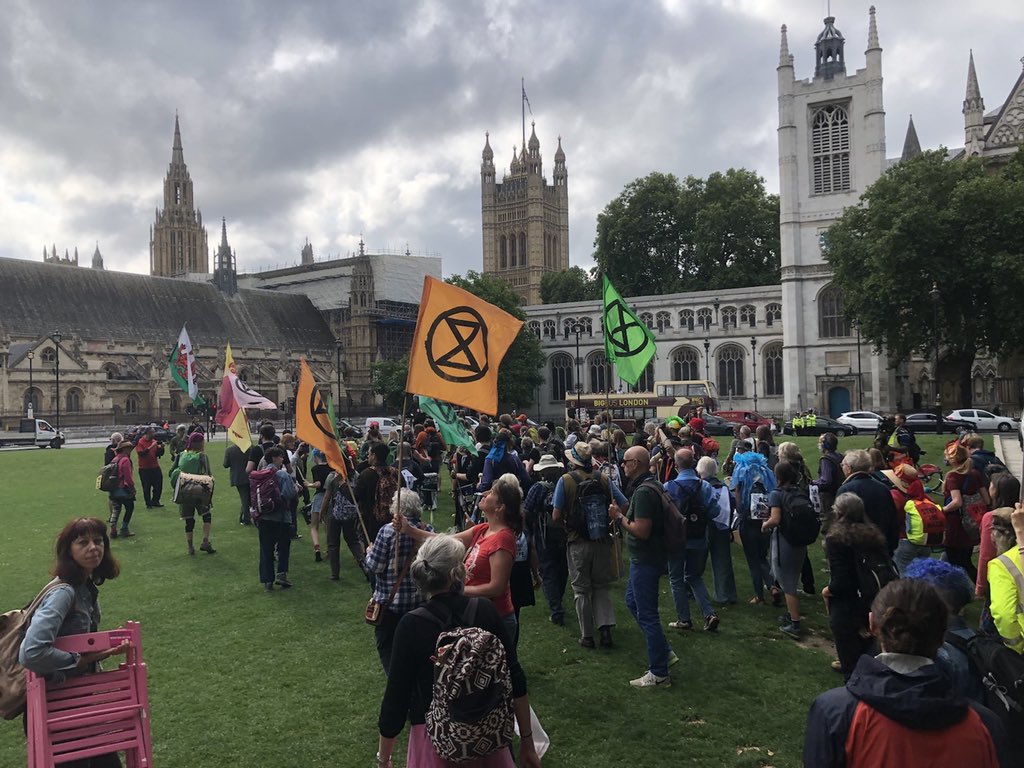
(459, 342)
(526, 99)
(452, 429)
(182, 363)
(314, 422)
(628, 342)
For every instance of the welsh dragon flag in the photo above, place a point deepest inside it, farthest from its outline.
(182, 363)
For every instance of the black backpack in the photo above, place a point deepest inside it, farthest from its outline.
(690, 503)
(800, 525)
(874, 570)
(540, 518)
(590, 506)
(434, 445)
(673, 524)
(1001, 671)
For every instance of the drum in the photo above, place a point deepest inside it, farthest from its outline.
(430, 482)
(193, 489)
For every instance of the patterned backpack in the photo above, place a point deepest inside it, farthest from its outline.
(470, 714)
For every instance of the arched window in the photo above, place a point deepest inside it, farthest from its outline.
(772, 314)
(522, 250)
(686, 319)
(534, 327)
(502, 253)
(512, 251)
(561, 376)
(730, 371)
(33, 397)
(728, 317)
(73, 400)
(588, 325)
(704, 318)
(111, 370)
(773, 370)
(831, 323)
(549, 329)
(685, 362)
(175, 403)
(663, 320)
(646, 381)
(647, 319)
(748, 315)
(131, 404)
(597, 365)
(49, 355)
(830, 150)
(567, 325)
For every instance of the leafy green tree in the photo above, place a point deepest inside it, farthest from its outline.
(572, 285)
(519, 374)
(662, 235)
(387, 379)
(926, 224)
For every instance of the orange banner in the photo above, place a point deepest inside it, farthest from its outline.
(312, 421)
(460, 341)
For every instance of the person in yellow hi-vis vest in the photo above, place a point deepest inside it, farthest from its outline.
(1005, 577)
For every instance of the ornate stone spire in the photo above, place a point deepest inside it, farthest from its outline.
(973, 97)
(559, 153)
(872, 30)
(488, 153)
(784, 55)
(911, 145)
(97, 257)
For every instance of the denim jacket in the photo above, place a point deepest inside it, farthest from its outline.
(66, 610)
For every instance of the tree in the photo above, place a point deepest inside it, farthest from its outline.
(662, 235)
(572, 285)
(387, 379)
(519, 374)
(926, 224)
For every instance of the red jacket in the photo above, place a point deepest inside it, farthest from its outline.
(146, 449)
(124, 471)
(887, 718)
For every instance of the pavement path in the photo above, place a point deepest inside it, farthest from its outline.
(1008, 449)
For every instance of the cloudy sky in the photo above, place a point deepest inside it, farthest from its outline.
(333, 119)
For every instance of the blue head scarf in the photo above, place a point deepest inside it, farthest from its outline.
(497, 452)
(751, 467)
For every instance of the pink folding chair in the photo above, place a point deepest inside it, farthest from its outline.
(92, 714)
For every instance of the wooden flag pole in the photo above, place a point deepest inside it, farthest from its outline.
(401, 444)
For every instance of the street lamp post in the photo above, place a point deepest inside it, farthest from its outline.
(55, 337)
(337, 373)
(577, 329)
(753, 357)
(860, 381)
(934, 293)
(707, 359)
(31, 387)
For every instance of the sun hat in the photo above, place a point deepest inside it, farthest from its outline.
(125, 444)
(579, 454)
(595, 430)
(547, 461)
(902, 476)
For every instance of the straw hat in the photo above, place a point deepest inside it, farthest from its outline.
(902, 476)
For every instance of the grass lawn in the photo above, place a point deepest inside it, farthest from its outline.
(243, 678)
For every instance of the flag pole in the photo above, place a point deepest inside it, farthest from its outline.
(522, 105)
(401, 444)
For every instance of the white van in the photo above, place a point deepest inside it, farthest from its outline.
(387, 425)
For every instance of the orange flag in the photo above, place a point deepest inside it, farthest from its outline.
(312, 420)
(459, 343)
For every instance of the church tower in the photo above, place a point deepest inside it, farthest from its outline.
(225, 275)
(177, 240)
(525, 219)
(831, 149)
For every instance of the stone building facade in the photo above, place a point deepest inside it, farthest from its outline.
(525, 219)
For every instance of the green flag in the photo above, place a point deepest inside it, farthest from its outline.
(628, 342)
(450, 425)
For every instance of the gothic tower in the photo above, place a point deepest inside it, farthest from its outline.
(831, 149)
(225, 275)
(177, 240)
(525, 219)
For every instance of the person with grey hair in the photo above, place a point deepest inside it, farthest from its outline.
(177, 443)
(393, 586)
(721, 514)
(439, 573)
(878, 504)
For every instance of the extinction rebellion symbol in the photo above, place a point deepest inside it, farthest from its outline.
(620, 323)
(318, 412)
(457, 345)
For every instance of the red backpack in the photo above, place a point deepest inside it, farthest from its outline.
(264, 492)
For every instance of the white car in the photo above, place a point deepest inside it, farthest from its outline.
(867, 421)
(985, 421)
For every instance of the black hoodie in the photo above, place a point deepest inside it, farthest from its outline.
(883, 717)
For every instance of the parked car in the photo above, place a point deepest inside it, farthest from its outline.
(925, 422)
(386, 423)
(984, 420)
(134, 433)
(822, 424)
(344, 424)
(716, 426)
(864, 421)
(748, 418)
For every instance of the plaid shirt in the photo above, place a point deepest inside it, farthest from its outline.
(381, 561)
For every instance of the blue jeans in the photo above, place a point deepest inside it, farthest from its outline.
(720, 549)
(642, 601)
(687, 570)
(755, 549)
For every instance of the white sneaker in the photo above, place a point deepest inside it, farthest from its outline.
(651, 680)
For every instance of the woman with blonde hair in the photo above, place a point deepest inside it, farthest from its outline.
(964, 489)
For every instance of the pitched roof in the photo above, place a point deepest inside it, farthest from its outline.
(37, 298)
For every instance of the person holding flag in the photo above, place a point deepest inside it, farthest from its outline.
(182, 364)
